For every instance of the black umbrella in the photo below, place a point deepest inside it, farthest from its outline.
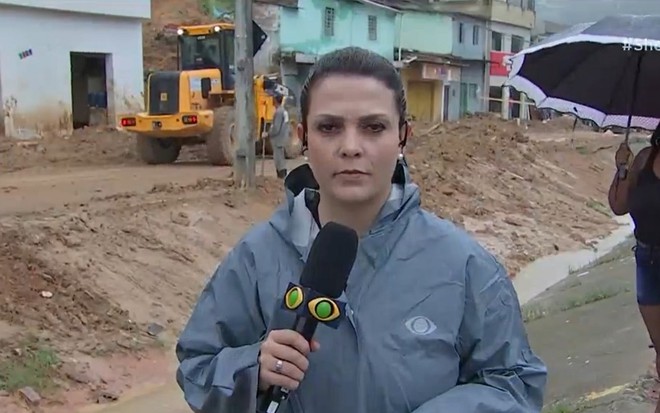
(607, 72)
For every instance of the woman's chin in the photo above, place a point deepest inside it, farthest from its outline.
(352, 194)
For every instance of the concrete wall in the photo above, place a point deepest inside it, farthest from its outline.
(36, 90)
(425, 32)
(513, 12)
(467, 49)
(507, 31)
(301, 30)
(133, 8)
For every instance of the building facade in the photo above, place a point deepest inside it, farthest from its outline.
(67, 64)
(508, 27)
(506, 40)
(469, 45)
(430, 75)
(316, 27)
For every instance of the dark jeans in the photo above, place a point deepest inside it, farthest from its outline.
(648, 274)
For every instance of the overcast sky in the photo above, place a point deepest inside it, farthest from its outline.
(581, 11)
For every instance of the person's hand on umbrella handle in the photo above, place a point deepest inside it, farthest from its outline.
(283, 359)
(622, 158)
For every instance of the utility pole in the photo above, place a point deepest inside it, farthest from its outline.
(245, 160)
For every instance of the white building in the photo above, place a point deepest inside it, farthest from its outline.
(69, 63)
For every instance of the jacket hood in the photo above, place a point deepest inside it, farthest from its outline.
(295, 223)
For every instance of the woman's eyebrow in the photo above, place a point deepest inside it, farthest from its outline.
(327, 116)
(372, 117)
(382, 117)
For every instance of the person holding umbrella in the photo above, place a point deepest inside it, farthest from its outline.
(636, 191)
(606, 72)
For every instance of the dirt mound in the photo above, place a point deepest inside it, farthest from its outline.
(78, 275)
(89, 146)
(85, 147)
(159, 33)
(49, 298)
(523, 198)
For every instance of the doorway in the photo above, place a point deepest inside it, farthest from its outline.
(89, 94)
(420, 100)
(463, 110)
(445, 103)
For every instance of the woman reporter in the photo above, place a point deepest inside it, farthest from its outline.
(435, 324)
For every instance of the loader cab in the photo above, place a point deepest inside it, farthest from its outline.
(213, 50)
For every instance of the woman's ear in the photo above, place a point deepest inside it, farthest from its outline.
(300, 131)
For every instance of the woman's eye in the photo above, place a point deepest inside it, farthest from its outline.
(375, 127)
(327, 127)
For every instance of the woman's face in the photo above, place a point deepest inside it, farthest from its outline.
(353, 137)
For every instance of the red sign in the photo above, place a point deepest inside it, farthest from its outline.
(498, 66)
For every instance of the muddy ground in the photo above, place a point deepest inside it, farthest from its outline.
(103, 256)
(589, 332)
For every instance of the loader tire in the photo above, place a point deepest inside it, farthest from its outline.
(157, 151)
(220, 142)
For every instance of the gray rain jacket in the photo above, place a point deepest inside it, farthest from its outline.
(433, 326)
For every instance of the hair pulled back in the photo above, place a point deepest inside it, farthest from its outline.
(359, 62)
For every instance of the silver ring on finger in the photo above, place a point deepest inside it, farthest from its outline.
(278, 366)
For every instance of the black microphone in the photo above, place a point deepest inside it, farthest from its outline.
(324, 277)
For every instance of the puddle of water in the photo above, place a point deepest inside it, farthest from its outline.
(548, 271)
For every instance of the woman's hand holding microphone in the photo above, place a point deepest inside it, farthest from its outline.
(283, 359)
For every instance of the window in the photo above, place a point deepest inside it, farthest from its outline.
(475, 35)
(517, 44)
(373, 28)
(495, 101)
(461, 29)
(329, 22)
(496, 41)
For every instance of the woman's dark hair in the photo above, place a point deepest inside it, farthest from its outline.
(359, 62)
(655, 137)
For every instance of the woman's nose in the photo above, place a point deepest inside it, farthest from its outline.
(350, 144)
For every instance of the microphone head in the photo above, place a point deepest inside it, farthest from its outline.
(330, 260)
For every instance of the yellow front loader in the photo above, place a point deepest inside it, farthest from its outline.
(195, 104)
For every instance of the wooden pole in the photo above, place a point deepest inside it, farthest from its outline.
(245, 165)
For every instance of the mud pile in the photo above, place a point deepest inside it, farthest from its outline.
(76, 275)
(84, 147)
(523, 197)
(88, 146)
